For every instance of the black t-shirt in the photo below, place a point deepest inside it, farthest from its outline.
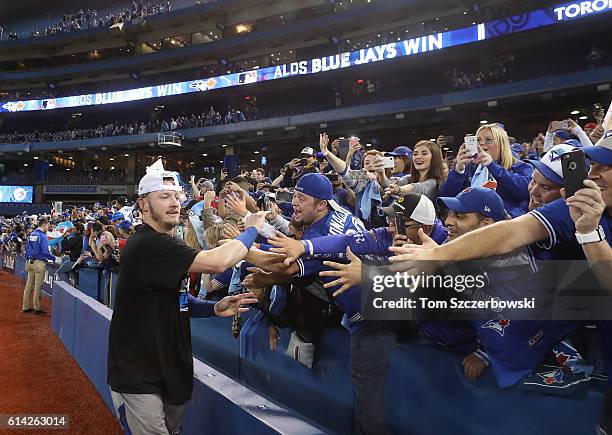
(74, 245)
(150, 336)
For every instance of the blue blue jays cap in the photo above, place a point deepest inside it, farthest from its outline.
(550, 163)
(562, 134)
(601, 152)
(125, 225)
(401, 151)
(476, 200)
(318, 186)
(117, 216)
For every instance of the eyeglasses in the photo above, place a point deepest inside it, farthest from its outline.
(487, 141)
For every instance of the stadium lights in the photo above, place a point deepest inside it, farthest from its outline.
(220, 161)
(583, 117)
(574, 112)
(25, 164)
(484, 121)
(126, 155)
(50, 165)
(35, 157)
(112, 168)
(204, 155)
(111, 159)
(256, 152)
(252, 160)
(224, 145)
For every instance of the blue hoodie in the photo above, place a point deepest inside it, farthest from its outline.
(512, 184)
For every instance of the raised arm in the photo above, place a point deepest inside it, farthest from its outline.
(225, 256)
(498, 239)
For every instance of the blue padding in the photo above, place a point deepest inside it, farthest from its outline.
(50, 276)
(212, 341)
(89, 280)
(220, 405)
(63, 312)
(427, 381)
(103, 290)
(323, 393)
(20, 266)
(423, 383)
(91, 343)
(113, 289)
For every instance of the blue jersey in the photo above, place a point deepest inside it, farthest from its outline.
(37, 246)
(333, 223)
(516, 348)
(374, 242)
(224, 277)
(561, 230)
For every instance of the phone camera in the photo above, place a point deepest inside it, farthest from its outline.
(572, 166)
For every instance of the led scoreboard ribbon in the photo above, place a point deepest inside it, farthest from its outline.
(393, 50)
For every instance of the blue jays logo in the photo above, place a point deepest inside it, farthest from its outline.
(14, 106)
(200, 85)
(497, 325)
(555, 154)
(553, 377)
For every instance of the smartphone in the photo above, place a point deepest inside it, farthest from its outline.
(575, 171)
(388, 162)
(560, 125)
(400, 225)
(471, 145)
(284, 196)
(303, 162)
(343, 148)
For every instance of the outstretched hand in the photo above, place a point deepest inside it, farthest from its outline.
(293, 249)
(348, 275)
(232, 305)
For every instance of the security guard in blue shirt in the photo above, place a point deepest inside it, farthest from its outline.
(37, 252)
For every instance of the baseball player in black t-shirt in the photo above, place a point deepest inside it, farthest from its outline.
(150, 365)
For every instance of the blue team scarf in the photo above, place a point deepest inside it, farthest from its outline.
(483, 178)
(363, 200)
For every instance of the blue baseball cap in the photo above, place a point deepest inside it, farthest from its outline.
(550, 163)
(117, 216)
(125, 225)
(401, 151)
(517, 147)
(562, 134)
(318, 186)
(476, 200)
(601, 152)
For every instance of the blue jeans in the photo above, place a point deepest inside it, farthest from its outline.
(371, 346)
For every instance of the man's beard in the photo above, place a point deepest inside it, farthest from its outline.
(159, 219)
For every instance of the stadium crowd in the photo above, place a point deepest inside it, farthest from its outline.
(90, 19)
(333, 212)
(194, 120)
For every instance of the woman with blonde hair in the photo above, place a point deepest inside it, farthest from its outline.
(495, 160)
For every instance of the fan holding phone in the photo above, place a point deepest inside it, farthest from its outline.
(492, 151)
(427, 172)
